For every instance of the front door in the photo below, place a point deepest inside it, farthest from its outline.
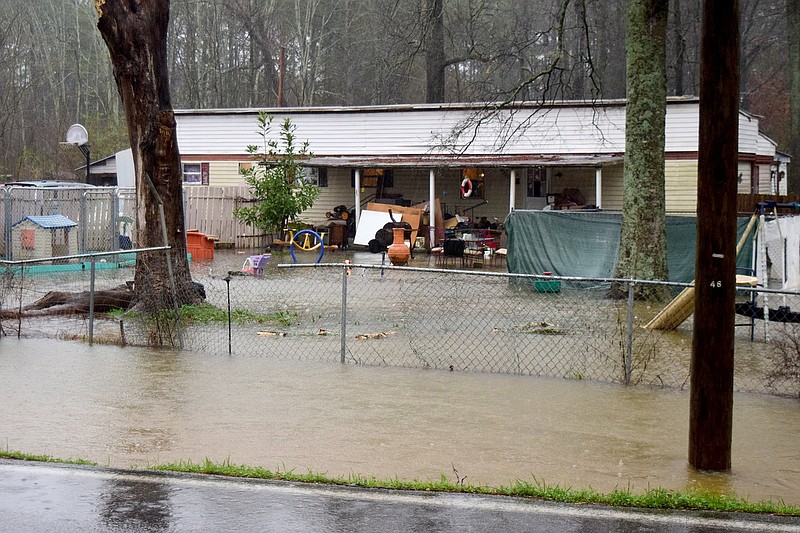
(536, 188)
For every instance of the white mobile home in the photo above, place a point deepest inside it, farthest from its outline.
(529, 156)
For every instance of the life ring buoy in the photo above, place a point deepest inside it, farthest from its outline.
(466, 188)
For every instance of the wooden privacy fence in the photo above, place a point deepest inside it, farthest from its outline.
(209, 210)
(747, 203)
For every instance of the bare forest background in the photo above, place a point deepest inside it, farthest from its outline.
(55, 68)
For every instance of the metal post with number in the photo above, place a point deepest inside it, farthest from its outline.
(711, 399)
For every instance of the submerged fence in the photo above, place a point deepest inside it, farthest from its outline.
(424, 318)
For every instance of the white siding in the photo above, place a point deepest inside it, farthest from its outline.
(766, 146)
(126, 177)
(567, 130)
(682, 127)
(748, 134)
(563, 130)
(424, 130)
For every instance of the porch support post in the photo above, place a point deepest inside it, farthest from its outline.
(512, 190)
(432, 209)
(358, 194)
(598, 187)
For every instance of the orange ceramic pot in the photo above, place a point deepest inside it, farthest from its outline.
(398, 252)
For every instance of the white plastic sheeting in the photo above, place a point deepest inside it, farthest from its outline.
(781, 239)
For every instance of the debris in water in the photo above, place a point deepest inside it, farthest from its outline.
(539, 328)
(379, 335)
(271, 333)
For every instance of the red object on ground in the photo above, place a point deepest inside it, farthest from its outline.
(199, 245)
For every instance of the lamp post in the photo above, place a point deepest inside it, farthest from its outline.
(78, 136)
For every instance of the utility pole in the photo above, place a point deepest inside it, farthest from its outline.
(711, 401)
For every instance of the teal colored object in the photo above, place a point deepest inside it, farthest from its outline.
(547, 285)
(125, 260)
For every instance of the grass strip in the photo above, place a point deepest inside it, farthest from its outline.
(657, 498)
(11, 454)
(206, 313)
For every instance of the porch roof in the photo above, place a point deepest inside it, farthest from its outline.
(465, 160)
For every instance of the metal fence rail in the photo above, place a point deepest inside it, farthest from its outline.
(475, 321)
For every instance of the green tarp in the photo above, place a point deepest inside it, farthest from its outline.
(585, 244)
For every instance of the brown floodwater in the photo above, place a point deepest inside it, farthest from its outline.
(139, 407)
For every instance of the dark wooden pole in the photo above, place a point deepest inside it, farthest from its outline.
(793, 35)
(711, 402)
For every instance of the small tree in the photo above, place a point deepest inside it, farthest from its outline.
(276, 181)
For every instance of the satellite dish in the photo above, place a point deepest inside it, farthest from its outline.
(77, 134)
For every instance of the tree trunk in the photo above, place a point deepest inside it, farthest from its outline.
(136, 36)
(793, 33)
(642, 253)
(680, 47)
(434, 53)
(72, 303)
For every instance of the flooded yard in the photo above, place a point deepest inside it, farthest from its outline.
(467, 320)
(139, 406)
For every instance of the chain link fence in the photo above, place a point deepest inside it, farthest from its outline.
(412, 317)
(95, 219)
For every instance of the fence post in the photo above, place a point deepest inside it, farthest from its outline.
(82, 227)
(228, 284)
(345, 270)
(21, 289)
(761, 237)
(7, 222)
(115, 221)
(629, 343)
(91, 300)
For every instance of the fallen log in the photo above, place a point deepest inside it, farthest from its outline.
(73, 303)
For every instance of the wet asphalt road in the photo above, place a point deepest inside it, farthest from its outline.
(40, 497)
